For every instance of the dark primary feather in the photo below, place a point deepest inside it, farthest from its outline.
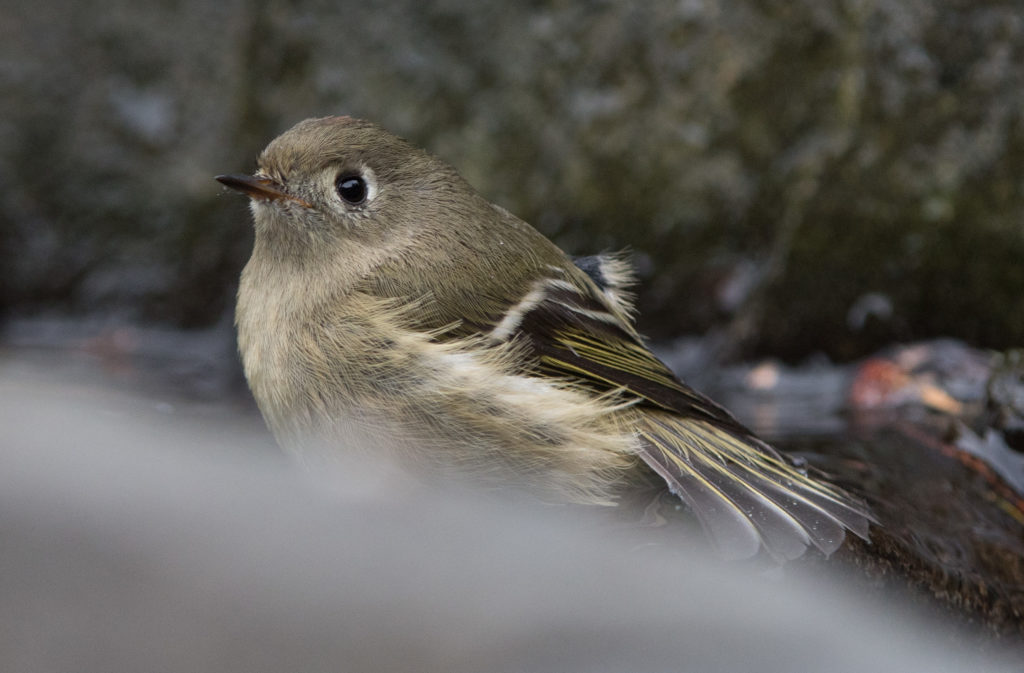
(592, 266)
(746, 494)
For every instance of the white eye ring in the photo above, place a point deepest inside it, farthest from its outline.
(356, 188)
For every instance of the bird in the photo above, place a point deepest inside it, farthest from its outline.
(386, 298)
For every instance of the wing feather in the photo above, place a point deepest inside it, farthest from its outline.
(746, 494)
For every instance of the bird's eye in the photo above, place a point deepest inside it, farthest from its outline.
(351, 188)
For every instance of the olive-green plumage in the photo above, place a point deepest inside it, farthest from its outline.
(386, 303)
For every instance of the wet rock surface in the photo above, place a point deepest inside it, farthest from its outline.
(919, 431)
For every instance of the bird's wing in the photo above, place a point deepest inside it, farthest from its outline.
(574, 332)
(745, 493)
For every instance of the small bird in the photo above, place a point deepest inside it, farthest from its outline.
(386, 298)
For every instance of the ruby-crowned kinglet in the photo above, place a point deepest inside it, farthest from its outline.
(386, 298)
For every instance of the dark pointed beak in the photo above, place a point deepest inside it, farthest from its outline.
(260, 188)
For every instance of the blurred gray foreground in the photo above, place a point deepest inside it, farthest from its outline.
(134, 539)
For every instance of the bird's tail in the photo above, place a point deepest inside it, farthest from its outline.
(744, 493)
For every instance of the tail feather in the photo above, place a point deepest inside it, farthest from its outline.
(821, 523)
(744, 494)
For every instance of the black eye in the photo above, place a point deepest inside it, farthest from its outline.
(351, 188)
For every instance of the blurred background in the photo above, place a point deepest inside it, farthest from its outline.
(793, 177)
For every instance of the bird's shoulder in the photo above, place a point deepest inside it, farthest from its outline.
(572, 318)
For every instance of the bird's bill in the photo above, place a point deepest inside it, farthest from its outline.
(260, 188)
